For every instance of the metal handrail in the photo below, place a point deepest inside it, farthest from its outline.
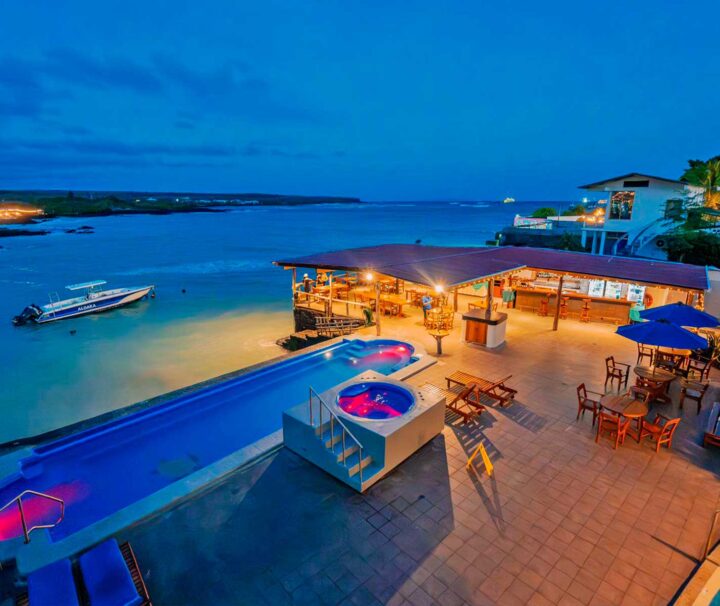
(23, 521)
(708, 544)
(334, 418)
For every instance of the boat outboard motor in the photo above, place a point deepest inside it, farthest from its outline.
(30, 313)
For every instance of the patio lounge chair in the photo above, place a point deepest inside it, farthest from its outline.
(112, 576)
(52, 585)
(458, 399)
(615, 425)
(487, 392)
(661, 430)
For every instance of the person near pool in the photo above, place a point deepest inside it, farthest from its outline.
(426, 304)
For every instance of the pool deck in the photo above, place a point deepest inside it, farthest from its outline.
(562, 520)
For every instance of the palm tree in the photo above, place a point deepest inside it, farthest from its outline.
(712, 184)
(705, 174)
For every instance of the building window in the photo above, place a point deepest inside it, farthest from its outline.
(621, 204)
(643, 183)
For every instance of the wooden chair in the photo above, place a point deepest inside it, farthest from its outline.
(698, 369)
(458, 400)
(645, 351)
(613, 424)
(668, 361)
(692, 390)
(616, 370)
(661, 430)
(586, 403)
(640, 393)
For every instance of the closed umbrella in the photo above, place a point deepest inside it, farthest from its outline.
(681, 315)
(662, 333)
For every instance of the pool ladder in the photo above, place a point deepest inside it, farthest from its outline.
(334, 438)
(19, 500)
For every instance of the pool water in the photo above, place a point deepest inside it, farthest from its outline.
(375, 400)
(101, 470)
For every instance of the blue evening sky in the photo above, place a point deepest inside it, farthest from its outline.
(379, 99)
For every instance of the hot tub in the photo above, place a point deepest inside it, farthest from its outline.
(375, 400)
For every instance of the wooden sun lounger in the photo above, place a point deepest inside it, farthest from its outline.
(460, 399)
(494, 391)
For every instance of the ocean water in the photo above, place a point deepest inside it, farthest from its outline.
(235, 306)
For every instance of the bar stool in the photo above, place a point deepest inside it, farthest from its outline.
(543, 311)
(585, 310)
(564, 308)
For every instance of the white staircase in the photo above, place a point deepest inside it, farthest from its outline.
(315, 432)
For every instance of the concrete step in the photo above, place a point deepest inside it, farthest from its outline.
(354, 469)
(350, 449)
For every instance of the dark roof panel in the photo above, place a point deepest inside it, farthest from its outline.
(606, 266)
(452, 265)
(622, 177)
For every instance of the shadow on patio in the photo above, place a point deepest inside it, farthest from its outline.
(284, 532)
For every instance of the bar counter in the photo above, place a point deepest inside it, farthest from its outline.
(602, 309)
(482, 329)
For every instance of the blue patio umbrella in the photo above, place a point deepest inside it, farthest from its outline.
(661, 333)
(681, 315)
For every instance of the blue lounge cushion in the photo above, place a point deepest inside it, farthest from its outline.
(53, 585)
(107, 578)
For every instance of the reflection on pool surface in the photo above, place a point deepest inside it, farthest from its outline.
(117, 463)
(375, 400)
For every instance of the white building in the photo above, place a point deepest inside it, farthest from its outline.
(639, 208)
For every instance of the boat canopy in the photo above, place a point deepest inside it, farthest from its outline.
(83, 285)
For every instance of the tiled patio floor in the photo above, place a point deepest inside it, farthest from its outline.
(562, 521)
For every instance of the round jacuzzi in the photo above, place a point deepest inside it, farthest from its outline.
(375, 400)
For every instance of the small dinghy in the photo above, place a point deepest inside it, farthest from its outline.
(94, 300)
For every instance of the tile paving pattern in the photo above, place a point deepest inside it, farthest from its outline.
(562, 521)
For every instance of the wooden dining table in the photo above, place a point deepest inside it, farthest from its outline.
(396, 301)
(628, 407)
(656, 381)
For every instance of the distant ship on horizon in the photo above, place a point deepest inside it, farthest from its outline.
(508, 200)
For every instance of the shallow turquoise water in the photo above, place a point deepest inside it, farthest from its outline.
(235, 306)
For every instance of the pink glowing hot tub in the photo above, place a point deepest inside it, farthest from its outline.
(375, 400)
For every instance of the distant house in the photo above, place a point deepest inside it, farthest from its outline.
(639, 208)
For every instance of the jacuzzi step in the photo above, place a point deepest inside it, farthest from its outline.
(349, 451)
(352, 465)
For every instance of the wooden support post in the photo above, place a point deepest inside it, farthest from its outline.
(330, 294)
(455, 299)
(294, 286)
(488, 299)
(556, 319)
(377, 308)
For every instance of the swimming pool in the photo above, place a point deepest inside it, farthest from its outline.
(104, 469)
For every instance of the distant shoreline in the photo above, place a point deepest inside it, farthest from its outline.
(87, 204)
